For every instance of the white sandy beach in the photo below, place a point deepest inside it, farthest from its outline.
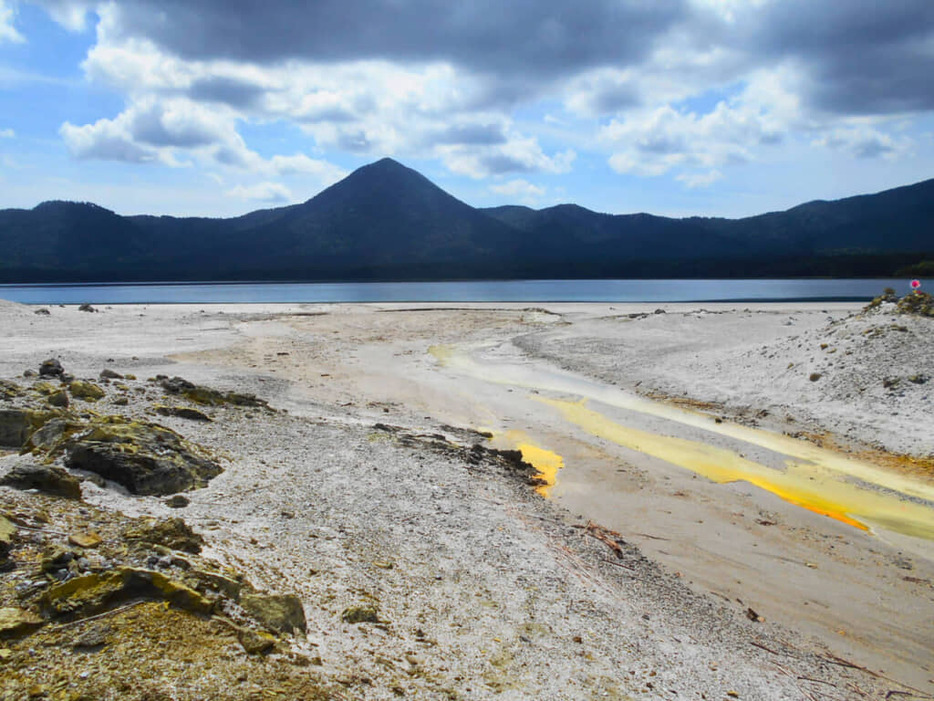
(771, 462)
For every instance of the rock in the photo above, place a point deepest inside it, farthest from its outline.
(15, 622)
(58, 399)
(182, 412)
(255, 642)
(45, 478)
(42, 311)
(172, 533)
(93, 639)
(360, 614)
(814, 376)
(17, 425)
(282, 613)
(121, 401)
(206, 395)
(55, 557)
(10, 390)
(46, 389)
(7, 532)
(86, 308)
(51, 433)
(51, 368)
(87, 391)
(88, 539)
(177, 501)
(92, 593)
(108, 374)
(145, 458)
(29, 373)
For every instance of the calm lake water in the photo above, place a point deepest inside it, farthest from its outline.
(475, 291)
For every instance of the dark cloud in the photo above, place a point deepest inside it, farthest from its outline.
(500, 164)
(611, 100)
(525, 37)
(230, 91)
(860, 56)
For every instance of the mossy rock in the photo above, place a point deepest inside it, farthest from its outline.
(7, 533)
(917, 303)
(182, 412)
(87, 391)
(15, 622)
(17, 425)
(10, 390)
(207, 396)
(280, 613)
(256, 642)
(172, 533)
(93, 593)
(46, 388)
(145, 458)
(360, 614)
(45, 478)
(58, 399)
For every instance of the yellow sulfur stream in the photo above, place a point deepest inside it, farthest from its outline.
(824, 489)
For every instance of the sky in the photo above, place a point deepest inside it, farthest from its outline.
(674, 107)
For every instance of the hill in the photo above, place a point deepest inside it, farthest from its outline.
(388, 222)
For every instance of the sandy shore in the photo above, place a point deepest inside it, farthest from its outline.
(767, 469)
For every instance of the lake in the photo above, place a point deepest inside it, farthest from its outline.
(469, 291)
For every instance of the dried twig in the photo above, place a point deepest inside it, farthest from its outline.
(763, 647)
(605, 536)
(818, 681)
(111, 612)
(833, 659)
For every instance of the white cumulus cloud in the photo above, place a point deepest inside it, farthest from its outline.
(522, 190)
(263, 192)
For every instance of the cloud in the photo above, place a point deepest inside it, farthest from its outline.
(71, 14)
(105, 140)
(654, 142)
(695, 180)
(521, 190)
(526, 37)
(263, 192)
(517, 155)
(7, 30)
(7, 134)
(869, 58)
(680, 87)
(863, 141)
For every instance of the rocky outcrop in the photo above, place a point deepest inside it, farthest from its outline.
(207, 395)
(145, 458)
(89, 594)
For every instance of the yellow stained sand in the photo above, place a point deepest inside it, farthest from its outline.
(545, 461)
(820, 485)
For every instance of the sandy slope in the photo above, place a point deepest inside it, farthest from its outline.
(486, 586)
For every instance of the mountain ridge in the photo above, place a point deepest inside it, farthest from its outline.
(386, 221)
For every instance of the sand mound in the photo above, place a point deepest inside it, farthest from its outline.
(861, 375)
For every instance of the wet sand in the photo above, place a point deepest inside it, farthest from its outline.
(663, 427)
